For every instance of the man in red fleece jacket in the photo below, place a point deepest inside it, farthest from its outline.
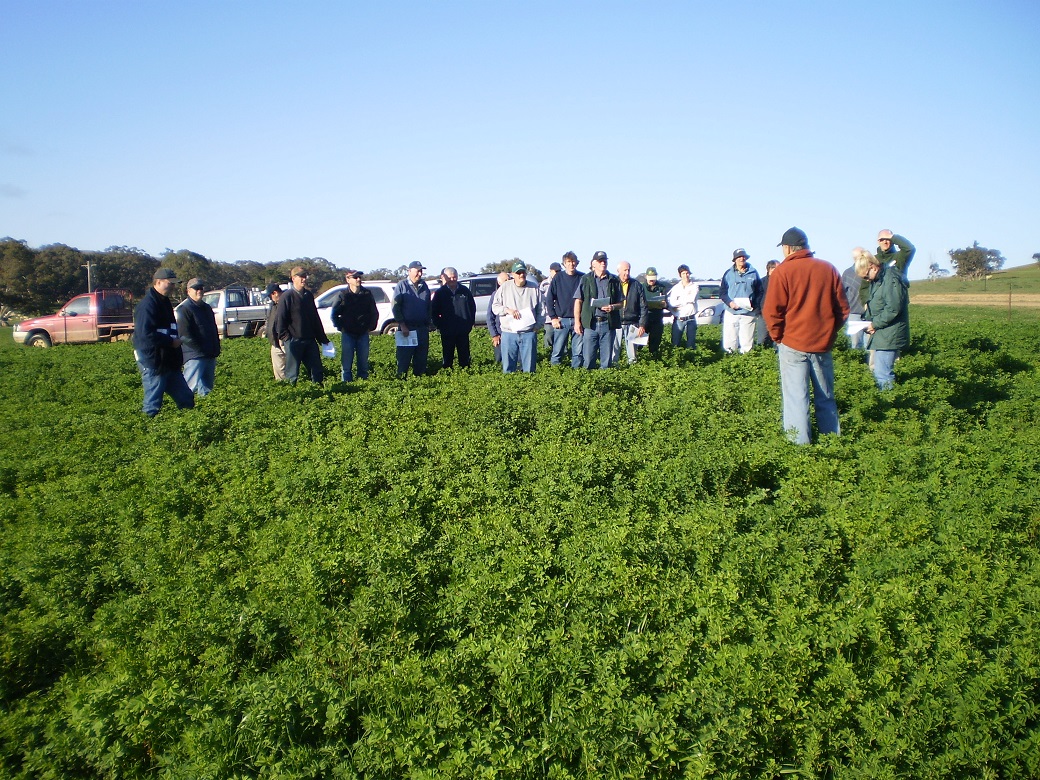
(805, 307)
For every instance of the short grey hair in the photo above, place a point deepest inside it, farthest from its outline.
(449, 271)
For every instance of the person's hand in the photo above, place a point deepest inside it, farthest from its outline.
(556, 322)
(404, 330)
(641, 333)
(516, 313)
(577, 327)
(496, 341)
(608, 308)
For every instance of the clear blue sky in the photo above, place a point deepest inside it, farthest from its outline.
(376, 133)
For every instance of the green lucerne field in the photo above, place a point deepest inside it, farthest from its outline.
(628, 573)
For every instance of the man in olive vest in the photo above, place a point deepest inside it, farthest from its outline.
(597, 312)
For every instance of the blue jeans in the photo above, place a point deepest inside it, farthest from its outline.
(799, 370)
(199, 375)
(354, 344)
(559, 347)
(416, 356)
(305, 352)
(156, 383)
(598, 340)
(884, 368)
(684, 329)
(519, 350)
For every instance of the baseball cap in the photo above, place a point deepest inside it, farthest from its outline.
(794, 237)
(651, 273)
(519, 267)
(299, 271)
(271, 289)
(416, 264)
(165, 273)
(599, 256)
(741, 253)
(555, 267)
(196, 284)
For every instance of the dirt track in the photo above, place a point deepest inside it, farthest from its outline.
(1018, 300)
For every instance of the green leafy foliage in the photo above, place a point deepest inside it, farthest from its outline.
(623, 573)
(976, 261)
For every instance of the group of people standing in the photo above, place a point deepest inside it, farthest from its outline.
(798, 307)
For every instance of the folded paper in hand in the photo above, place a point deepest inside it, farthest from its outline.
(857, 326)
(411, 340)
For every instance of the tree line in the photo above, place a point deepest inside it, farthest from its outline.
(40, 279)
(37, 280)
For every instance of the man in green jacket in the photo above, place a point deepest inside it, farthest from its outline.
(596, 324)
(895, 251)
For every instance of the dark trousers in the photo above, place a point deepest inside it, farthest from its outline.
(414, 356)
(452, 343)
(305, 352)
(655, 331)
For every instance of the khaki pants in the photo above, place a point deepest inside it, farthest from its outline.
(278, 363)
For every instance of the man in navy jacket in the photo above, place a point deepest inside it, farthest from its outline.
(454, 313)
(157, 346)
(299, 329)
(201, 342)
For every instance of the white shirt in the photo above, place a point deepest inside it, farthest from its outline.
(683, 300)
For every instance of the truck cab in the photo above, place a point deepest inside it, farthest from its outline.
(238, 310)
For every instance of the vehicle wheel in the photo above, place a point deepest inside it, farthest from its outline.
(38, 340)
(261, 331)
(390, 328)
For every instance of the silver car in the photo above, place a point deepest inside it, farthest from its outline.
(483, 287)
(709, 305)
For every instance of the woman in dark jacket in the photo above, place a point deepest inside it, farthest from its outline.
(888, 311)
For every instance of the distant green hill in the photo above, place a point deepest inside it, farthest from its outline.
(1023, 278)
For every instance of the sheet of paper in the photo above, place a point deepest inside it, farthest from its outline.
(640, 341)
(411, 340)
(599, 303)
(743, 303)
(328, 350)
(525, 322)
(857, 326)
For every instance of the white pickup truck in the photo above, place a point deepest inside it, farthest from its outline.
(239, 311)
